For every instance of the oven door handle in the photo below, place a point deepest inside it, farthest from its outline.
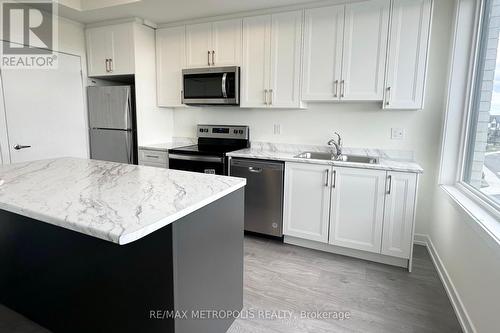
(196, 158)
(224, 90)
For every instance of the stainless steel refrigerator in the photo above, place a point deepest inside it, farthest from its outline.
(112, 124)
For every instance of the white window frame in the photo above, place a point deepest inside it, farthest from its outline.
(477, 196)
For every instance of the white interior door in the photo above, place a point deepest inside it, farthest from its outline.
(357, 209)
(286, 42)
(323, 36)
(45, 110)
(365, 50)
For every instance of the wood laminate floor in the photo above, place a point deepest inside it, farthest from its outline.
(284, 279)
(379, 298)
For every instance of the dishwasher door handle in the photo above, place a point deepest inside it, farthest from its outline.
(255, 170)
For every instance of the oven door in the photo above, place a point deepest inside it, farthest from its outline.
(195, 163)
(211, 86)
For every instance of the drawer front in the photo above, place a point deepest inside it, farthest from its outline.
(156, 165)
(153, 156)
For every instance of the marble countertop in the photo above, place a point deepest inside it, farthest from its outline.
(119, 203)
(165, 146)
(388, 160)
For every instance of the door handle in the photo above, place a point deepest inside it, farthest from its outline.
(208, 58)
(111, 65)
(213, 58)
(390, 185)
(388, 96)
(336, 88)
(224, 90)
(107, 65)
(265, 97)
(327, 171)
(255, 170)
(342, 88)
(19, 147)
(334, 182)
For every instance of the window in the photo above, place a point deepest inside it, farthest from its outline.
(481, 172)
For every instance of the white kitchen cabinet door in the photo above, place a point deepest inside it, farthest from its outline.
(365, 49)
(123, 57)
(286, 40)
(307, 201)
(170, 60)
(199, 45)
(256, 61)
(407, 56)
(226, 39)
(357, 208)
(397, 237)
(322, 64)
(99, 50)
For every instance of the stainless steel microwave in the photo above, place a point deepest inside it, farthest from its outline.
(211, 86)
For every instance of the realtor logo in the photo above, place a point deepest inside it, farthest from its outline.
(28, 34)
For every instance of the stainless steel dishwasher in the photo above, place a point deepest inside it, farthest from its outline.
(263, 194)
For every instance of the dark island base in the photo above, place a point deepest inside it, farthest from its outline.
(70, 282)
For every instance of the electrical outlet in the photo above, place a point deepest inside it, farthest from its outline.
(277, 129)
(397, 133)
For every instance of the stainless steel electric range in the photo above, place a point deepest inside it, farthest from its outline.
(209, 155)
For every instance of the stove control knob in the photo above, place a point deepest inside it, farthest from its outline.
(235, 131)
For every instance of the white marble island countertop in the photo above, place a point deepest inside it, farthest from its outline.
(116, 202)
(402, 161)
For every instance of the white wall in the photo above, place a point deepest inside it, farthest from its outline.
(361, 124)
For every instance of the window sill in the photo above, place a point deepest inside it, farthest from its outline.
(485, 223)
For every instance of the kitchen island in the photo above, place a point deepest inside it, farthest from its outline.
(92, 246)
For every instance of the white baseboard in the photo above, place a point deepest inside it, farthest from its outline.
(451, 291)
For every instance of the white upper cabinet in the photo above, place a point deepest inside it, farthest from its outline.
(323, 37)
(110, 50)
(199, 45)
(399, 214)
(256, 61)
(286, 39)
(307, 201)
(357, 208)
(271, 60)
(365, 50)
(214, 44)
(226, 41)
(170, 60)
(407, 57)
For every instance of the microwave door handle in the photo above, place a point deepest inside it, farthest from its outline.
(224, 90)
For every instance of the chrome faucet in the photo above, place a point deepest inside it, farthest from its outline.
(337, 144)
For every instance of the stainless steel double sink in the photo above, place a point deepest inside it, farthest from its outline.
(313, 155)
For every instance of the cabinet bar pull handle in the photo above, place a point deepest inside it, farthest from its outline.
(213, 58)
(208, 58)
(342, 87)
(265, 97)
(107, 65)
(388, 96)
(152, 156)
(110, 65)
(271, 93)
(390, 185)
(334, 183)
(327, 177)
(336, 88)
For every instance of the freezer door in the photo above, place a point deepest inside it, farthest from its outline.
(110, 107)
(112, 145)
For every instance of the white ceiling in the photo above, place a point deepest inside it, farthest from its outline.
(164, 11)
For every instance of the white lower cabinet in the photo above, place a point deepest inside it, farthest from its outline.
(307, 201)
(357, 208)
(353, 208)
(399, 213)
